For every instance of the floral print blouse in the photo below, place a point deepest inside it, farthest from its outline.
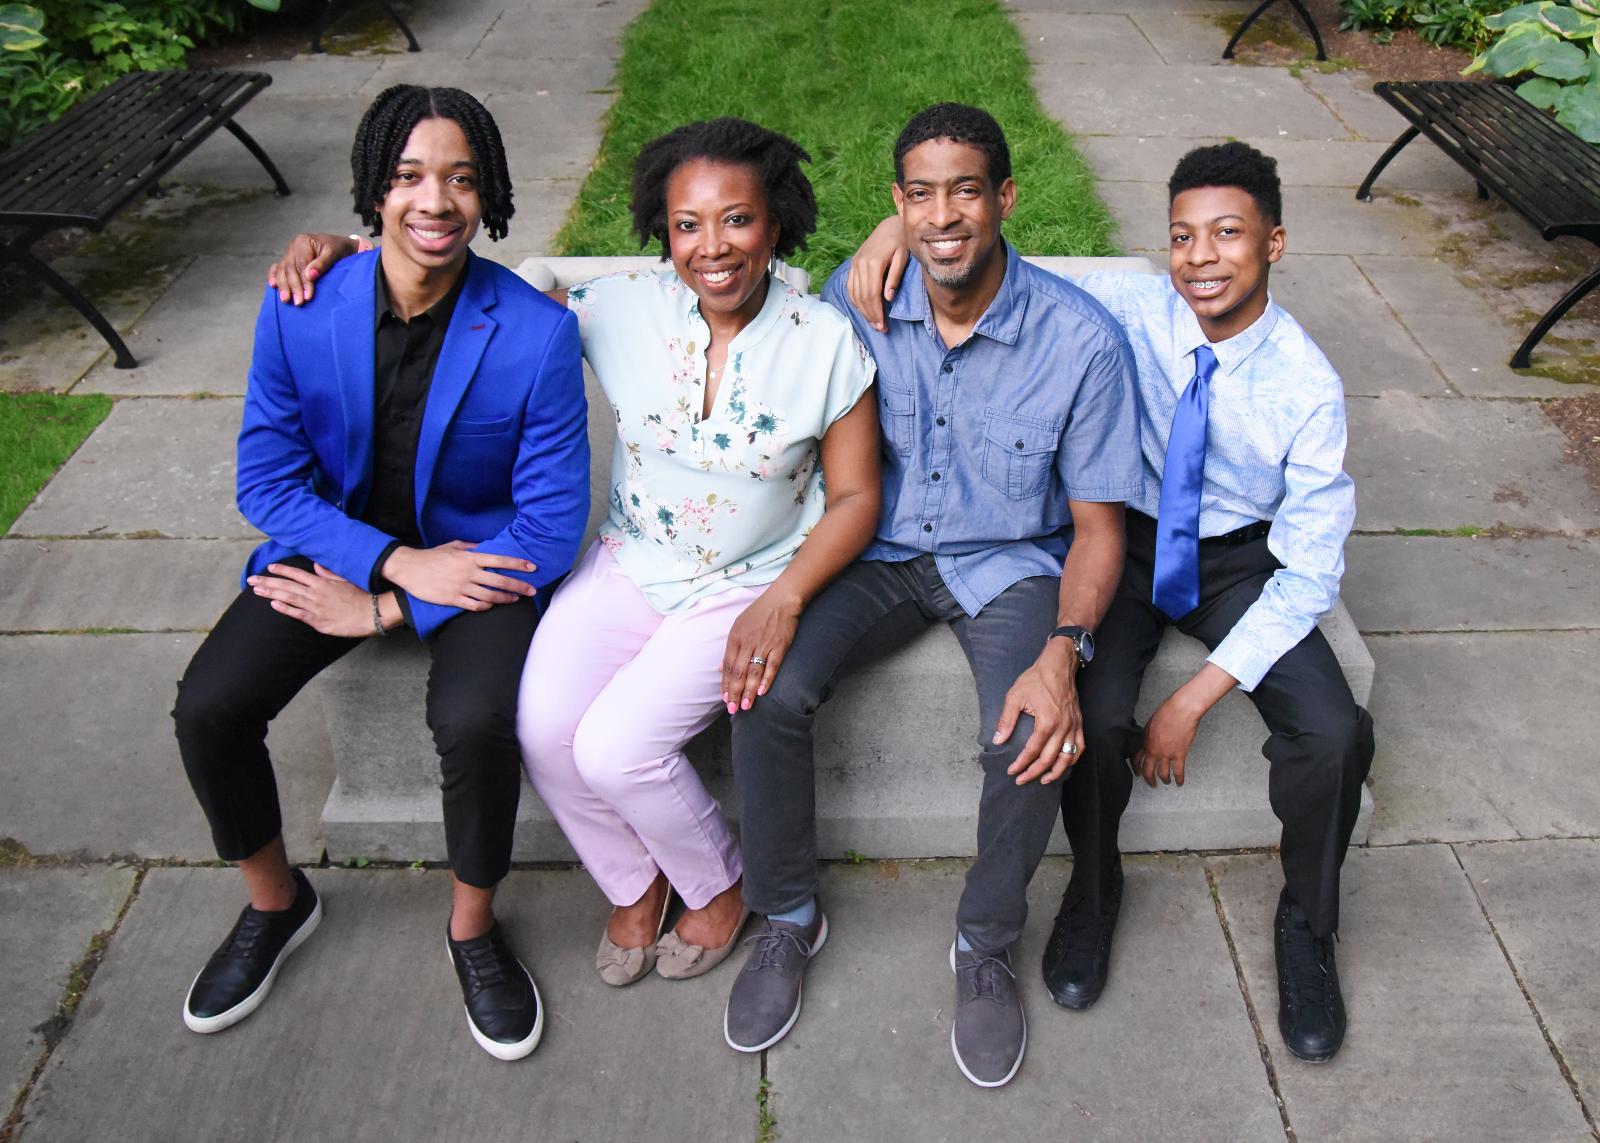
(700, 503)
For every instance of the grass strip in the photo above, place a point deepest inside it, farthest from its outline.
(841, 77)
(38, 432)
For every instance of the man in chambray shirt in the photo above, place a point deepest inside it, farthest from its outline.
(1010, 442)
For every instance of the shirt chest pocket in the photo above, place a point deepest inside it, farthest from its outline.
(1018, 453)
(897, 410)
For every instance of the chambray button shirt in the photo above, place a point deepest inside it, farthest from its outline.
(985, 442)
(1275, 441)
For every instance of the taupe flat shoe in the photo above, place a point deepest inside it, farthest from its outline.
(618, 966)
(679, 960)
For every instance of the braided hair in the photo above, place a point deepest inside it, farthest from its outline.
(960, 124)
(1232, 165)
(388, 124)
(775, 158)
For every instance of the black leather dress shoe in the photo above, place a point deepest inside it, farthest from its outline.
(1077, 958)
(502, 1002)
(1310, 1005)
(240, 973)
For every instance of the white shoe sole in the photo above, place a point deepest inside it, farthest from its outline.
(954, 1051)
(495, 1048)
(205, 1025)
(822, 939)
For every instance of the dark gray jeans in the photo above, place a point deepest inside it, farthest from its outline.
(873, 608)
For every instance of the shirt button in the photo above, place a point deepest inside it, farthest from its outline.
(939, 421)
(936, 476)
(927, 527)
(948, 368)
(1019, 444)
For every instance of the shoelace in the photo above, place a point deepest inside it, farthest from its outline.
(1085, 933)
(245, 940)
(775, 945)
(482, 964)
(981, 978)
(1308, 959)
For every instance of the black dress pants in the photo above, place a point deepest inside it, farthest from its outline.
(255, 660)
(1320, 744)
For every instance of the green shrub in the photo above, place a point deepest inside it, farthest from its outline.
(1553, 44)
(1447, 23)
(61, 51)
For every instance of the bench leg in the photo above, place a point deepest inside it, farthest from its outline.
(401, 24)
(1364, 191)
(1522, 358)
(83, 305)
(1244, 26)
(239, 133)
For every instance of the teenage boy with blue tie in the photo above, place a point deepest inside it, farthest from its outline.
(1238, 540)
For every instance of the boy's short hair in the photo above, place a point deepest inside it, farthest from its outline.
(776, 159)
(1231, 165)
(960, 124)
(389, 122)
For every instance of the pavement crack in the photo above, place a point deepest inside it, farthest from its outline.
(1249, 1005)
(1527, 996)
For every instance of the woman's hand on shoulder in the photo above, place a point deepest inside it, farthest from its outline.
(307, 258)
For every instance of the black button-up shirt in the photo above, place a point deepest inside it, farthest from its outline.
(405, 354)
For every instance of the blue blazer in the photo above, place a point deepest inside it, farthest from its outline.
(503, 458)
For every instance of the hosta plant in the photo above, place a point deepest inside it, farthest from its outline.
(1552, 43)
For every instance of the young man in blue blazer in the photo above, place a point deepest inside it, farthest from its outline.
(416, 453)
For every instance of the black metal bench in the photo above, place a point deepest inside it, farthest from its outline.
(89, 164)
(1244, 26)
(1529, 161)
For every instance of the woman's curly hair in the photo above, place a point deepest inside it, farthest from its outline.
(776, 159)
(389, 122)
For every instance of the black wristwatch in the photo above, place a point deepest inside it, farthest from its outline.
(1081, 640)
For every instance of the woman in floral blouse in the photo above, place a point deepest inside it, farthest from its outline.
(734, 395)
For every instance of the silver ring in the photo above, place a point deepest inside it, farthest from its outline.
(758, 661)
(1069, 748)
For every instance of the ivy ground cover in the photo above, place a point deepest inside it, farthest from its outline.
(841, 77)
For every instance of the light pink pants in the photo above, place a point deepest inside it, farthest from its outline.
(612, 691)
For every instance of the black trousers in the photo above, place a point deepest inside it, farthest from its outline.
(255, 660)
(1320, 743)
(873, 608)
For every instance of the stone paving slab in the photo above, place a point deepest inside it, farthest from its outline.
(47, 916)
(147, 585)
(1447, 463)
(485, 75)
(872, 1047)
(1189, 38)
(1527, 891)
(179, 356)
(1301, 162)
(1348, 94)
(46, 344)
(1440, 1042)
(363, 1038)
(542, 206)
(91, 765)
(557, 33)
(318, 75)
(1440, 583)
(549, 136)
(1055, 38)
(1183, 101)
(164, 466)
(1459, 330)
(1354, 326)
(1157, 7)
(308, 160)
(1479, 738)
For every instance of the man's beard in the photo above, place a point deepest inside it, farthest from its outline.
(954, 278)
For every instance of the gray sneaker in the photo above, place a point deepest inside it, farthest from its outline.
(765, 1001)
(989, 1032)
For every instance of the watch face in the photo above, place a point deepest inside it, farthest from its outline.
(1086, 647)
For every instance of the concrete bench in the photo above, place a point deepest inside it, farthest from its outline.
(896, 746)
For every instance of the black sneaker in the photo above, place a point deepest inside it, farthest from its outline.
(240, 973)
(1077, 959)
(498, 992)
(765, 1001)
(989, 1032)
(1310, 1004)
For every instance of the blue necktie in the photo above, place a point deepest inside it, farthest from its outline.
(1177, 573)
